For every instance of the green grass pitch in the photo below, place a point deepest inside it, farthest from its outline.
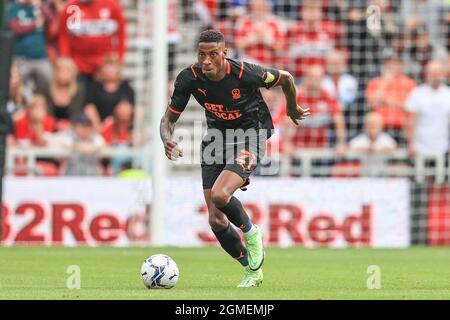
(208, 273)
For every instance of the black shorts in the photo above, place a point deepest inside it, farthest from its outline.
(240, 157)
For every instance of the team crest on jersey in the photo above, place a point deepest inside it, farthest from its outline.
(236, 93)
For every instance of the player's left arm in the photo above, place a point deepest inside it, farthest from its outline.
(293, 110)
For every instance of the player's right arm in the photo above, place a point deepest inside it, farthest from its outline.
(178, 102)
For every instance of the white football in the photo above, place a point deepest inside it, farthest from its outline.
(159, 272)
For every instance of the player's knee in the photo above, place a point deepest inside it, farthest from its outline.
(218, 223)
(220, 197)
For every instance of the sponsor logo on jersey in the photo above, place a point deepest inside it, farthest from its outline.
(236, 93)
(219, 111)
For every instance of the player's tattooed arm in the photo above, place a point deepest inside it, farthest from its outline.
(293, 110)
(166, 129)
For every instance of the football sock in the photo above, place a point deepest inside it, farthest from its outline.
(251, 231)
(232, 244)
(236, 214)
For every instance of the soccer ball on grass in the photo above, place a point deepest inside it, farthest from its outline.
(159, 272)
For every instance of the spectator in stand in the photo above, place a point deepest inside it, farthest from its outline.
(18, 94)
(369, 39)
(105, 94)
(64, 95)
(387, 95)
(220, 15)
(56, 8)
(428, 129)
(419, 52)
(344, 87)
(373, 139)
(448, 70)
(374, 144)
(311, 38)
(325, 113)
(414, 13)
(35, 126)
(99, 32)
(84, 144)
(117, 132)
(118, 129)
(27, 19)
(259, 35)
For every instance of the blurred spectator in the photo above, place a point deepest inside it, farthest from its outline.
(369, 37)
(414, 13)
(287, 9)
(325, 112)
(18, 94)
(342, 86)
(220, 15)
(419, 52)
(84, 144)
(27, 19)
(35, 125)
(259, 35)
(99, 31)
(374, 144)
(105, 94)
(387, 95)
(448, 70)
(373, 139)
(428, 129)
(63, 93)
(144, 31)
(117, 131)
(56, 8)
(311, 38)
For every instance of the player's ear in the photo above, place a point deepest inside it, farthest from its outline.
(225, 51)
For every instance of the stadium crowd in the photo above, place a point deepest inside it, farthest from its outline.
(374, 73)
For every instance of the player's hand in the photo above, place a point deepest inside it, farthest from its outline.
(173, 151)
(298, 113)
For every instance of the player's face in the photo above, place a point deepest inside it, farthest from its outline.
(211, 57)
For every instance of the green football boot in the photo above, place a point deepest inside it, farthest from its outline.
(251, 278)
(255, 248)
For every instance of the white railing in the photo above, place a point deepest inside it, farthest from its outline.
(304, 163)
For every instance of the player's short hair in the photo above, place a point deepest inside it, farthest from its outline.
(211, 36)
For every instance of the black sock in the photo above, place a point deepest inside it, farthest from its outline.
(236, 214)
(231, 243)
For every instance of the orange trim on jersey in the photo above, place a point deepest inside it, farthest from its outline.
(173, 110)
(228, 67)
(278, 80)
(193, 71)
(242, 70)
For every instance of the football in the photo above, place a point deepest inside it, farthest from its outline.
(159, 271)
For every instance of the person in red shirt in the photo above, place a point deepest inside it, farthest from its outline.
(259, 35)
(89, 31)
(325, 111)
(117, 130)
(33, 127)
(387, 95)
(311, 38)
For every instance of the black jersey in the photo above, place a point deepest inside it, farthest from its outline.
(235, 102)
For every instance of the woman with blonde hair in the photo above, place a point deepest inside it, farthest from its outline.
(63, 93)
(17, 95)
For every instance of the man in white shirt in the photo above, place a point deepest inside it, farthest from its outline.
(428, 125)
(373, 139)
(374, 144)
